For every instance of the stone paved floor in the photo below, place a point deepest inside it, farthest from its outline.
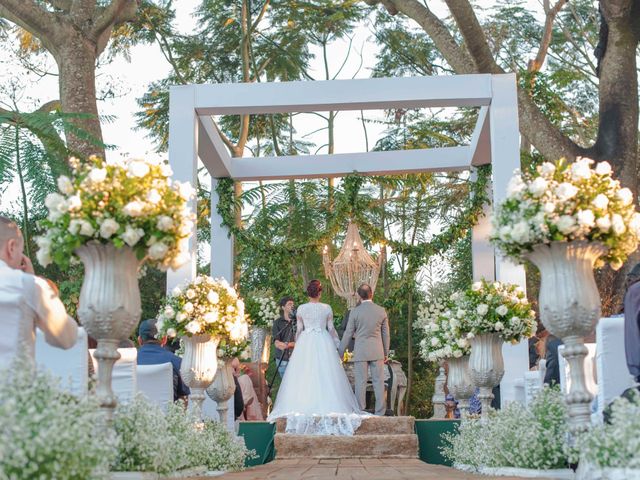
(371, 469)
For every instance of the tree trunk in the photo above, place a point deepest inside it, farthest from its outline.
(76, 64)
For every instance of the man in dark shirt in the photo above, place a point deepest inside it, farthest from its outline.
(283, 334)
(632, 322)
(152, 352)
(552, 375)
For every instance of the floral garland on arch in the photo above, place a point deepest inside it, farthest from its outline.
(493, 307)
(204, 306)
(567, 202)
(441, 337)
(125, 202)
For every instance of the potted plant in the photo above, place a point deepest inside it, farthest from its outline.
(202, 312)
(115, 215)
(567, 219)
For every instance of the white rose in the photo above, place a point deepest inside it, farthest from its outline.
(153, 196)
(97, 175)
(601, 201)
(547, 168)
(171, 332)
(74, 203)
(192, 327)
(53, 201)
(498, 326)
(169, 312)
(515, 186)
(158, 250)
(482, 309)
(617, 223)
(502, 310)
(586, 218)
(213, 297)
(191, 293)
(86, 228)
(138, 168)
(176, 291)
(74, 226)
(435, 341)
(566, 191)
(581, 169)
(477, 286)
(625, 196)
(211, 317)
(604, 223)
(133, 208)
(164, 223)
(65, 185)
(132, 235)
(185, 190)
(462, 343)
(549, 207)
(538, 187)
(634, 223)
(188, 307)
(181, 317)
(566, 224)
(470, 335)
(457, 354)
(108, 227)
(603, 168)
(43, 242)
(521, 232)
(44, 256)
(448, 351)
(166, 170)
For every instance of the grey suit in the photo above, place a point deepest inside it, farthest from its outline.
(370, 325)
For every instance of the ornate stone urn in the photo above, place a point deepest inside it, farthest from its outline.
(486, 366)
(260, 344)
(569, 309)
(459, 381)
(198, 368)
(109, 307)
(222, 388)
(439, 397)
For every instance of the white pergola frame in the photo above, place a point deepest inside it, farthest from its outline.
(193, 135)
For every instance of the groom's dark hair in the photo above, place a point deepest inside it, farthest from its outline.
(364, 291)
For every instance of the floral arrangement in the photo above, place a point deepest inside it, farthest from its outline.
(614, 445)
(492, 307)
(262, 310)
(46, 433)
(228, 349)
(516, 436)
(204, 306)
(567, 202)
(440, 326)
(131, 202)
(152, 441)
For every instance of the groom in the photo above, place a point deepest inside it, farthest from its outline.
(371, 326)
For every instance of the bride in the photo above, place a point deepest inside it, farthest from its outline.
(315, 395)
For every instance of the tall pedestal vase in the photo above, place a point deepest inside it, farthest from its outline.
(109, 307)
(459, 381)
(260, 344)
(198, 368)
(487, 367)
(222, 389)
(439, 397)
(569, 309)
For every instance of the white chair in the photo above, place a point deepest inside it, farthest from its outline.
(124, 373)
(533, 381)
(156, 383)
(71, 366)
(611, 363)
(589, 368)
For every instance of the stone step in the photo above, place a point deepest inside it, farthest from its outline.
(356, 446)
(373, 426)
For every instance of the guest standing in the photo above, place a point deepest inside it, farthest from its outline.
(632, 322)
(284, 334)
(27, 302)
(152, 352)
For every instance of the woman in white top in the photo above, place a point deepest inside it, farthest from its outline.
(315, 395)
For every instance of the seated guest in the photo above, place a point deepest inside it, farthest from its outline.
(27, 302)
(552, 375)
(152, 352)
(238, 402)
(252, 410)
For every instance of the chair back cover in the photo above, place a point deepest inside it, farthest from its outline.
(155, 382)
(70, 366)
(124, 373)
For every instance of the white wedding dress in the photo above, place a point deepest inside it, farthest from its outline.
(315, 395)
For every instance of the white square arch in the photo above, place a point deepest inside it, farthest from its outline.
(193, 135)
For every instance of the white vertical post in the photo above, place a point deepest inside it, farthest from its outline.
(482, 252)
(183, 158)
(221, 242)
(505, 156)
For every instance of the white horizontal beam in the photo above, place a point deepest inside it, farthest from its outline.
(481, 139)
(341, 164)
(356, 94)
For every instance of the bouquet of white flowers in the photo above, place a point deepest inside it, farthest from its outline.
(441, 337)
(131, 202)
(566, 202)
(262, 310)
(204, 306)
(493, 307)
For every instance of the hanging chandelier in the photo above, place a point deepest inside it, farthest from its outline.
(352, 267)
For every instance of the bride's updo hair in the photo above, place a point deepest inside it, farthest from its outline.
(314, 288)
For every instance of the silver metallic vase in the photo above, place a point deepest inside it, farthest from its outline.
(198, 368)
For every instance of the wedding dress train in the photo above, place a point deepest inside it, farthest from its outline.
(315, 395)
